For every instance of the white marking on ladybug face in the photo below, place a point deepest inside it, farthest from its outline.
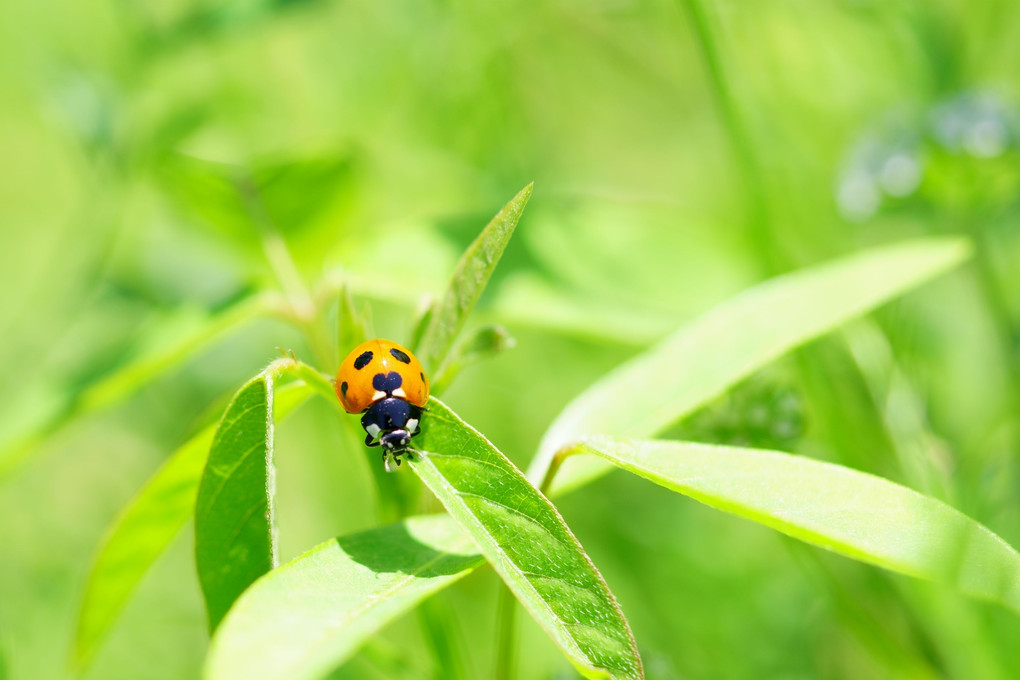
(373, 430)
(412, 424)
(379, 394)
(399, 392)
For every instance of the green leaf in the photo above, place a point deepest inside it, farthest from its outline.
(231, 199)
(476, 265)
(235, 540)
(484, 343)
(122, 382)
(144, 529)
(526, 540)
(710, 354)
(352, 326)
(125, 380)
(310, 615)
(851, 513)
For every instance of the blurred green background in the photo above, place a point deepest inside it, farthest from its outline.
(681, 152)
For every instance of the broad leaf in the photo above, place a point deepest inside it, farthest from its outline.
(526, 540)
(852, 513)
(444, 321)
(232, 199)
(144, 529)
(710, 354)
(235, 540)
(307, 617)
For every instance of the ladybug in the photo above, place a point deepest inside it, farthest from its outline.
(386, 383)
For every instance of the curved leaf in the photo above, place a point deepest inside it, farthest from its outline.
(715, 351)
(852, 513)
(310, 615)
(526, 540)
(144, 529)
(235, 540)
(444, 321)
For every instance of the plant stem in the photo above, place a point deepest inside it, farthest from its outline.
(392, 503)
(998, 304)
(506, 635)
(286, 272)
(438, 626)
(749, 165)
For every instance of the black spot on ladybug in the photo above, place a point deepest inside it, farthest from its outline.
(422, 376)
(387, 382)
(362, 360)
(343, 388)
(400, 356)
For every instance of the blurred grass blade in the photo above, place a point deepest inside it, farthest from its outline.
(352, 326)
(144, 529)
(852, 513)
(524, 538)
(122, 382)
(447, 316)
(712, 353)
(307, 617)
(125, 380)
(235, 539)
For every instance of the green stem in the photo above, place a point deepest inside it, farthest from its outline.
(506, 635)
(392, 501)
(750, 167)
(998, 304)
(286, 272)
(901, 660)
(438, 626)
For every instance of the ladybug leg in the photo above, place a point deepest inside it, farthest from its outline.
(386, 462)
(369, 442)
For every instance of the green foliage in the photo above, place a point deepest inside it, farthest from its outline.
(235, 532)
(855, 514)
(710, 354)
(527, 542)
(442, 324)
(109, 389)
(484, 343)
(310, 615)
(193, 185)
(144, 529)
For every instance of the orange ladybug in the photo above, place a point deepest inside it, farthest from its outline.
(386, 383)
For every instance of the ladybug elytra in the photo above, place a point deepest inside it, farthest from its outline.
(386, 383)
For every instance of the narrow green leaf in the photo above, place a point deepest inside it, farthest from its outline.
(235, 540)
(712, 353)
(422, 320)
(469, 278)
(125, 380)
(852, 513)
(143, 530)
(352, 327)
(307, 617)
(526, 540)
(122, 382)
